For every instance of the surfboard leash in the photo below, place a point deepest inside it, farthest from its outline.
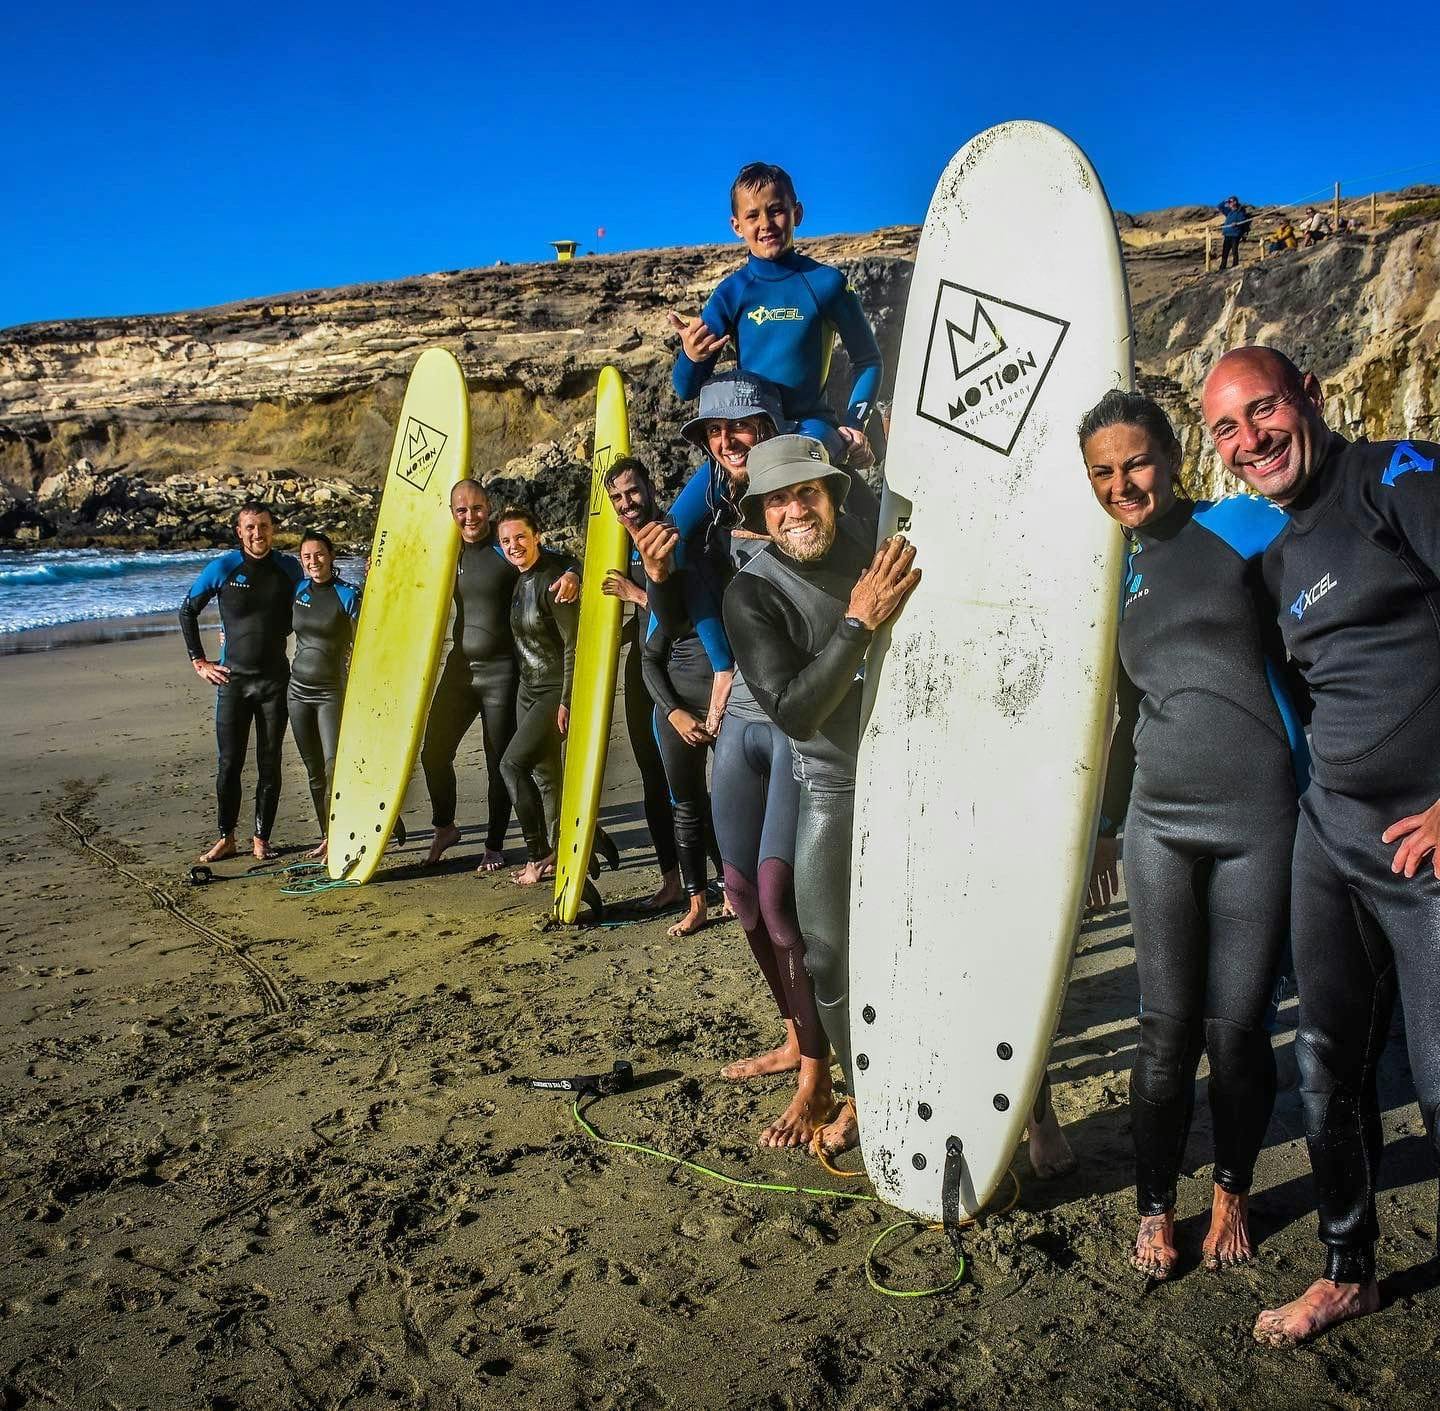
(311, 886)
(872, 1276)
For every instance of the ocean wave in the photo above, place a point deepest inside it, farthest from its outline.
(84, 566)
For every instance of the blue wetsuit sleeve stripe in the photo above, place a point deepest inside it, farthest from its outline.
(692, 505)
(1299, 750)
(1406, 490)
(704, 609)
(1247, 524)
(848, 317)
(208, 582)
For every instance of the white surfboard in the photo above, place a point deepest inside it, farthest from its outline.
(988, 708)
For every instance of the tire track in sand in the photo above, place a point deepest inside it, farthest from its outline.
(272, 997)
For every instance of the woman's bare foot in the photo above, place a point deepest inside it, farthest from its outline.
(1229, 1239)
(1155, 1253)
(320, 851)
(842, 1134)
(221, 849)
(814, 1098)
(693, 920)
(490, 861)
(262, 850)
(1050, 1153)
(1321, 1306)
(785, 1058)
(443, 839)
(670, 893)
(534, 872)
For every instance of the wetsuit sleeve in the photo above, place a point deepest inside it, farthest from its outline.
(848, 317)
(692, 505)
(207, 584)
(294, 571)
(566, 617)
(797, 693)
(689, 377)
(703, 605)
(653, 653)
(1406, 489)
(862, 504)
(1120, 775)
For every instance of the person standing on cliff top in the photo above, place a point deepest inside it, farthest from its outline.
(1235, 228)
(255, 587)
(782, 311)
(481, 676)
(1357, 572)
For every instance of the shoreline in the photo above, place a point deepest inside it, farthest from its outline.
(90, 631)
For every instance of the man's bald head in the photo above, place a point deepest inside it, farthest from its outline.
(1266, 419)
(470, 506)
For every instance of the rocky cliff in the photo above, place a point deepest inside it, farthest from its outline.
(151, 428)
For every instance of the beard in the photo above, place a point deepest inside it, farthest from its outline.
(813, 545)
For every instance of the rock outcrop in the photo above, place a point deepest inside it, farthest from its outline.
(155, 425)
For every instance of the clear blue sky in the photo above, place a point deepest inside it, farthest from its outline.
(163, 157)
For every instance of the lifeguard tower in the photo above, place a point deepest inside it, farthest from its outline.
(565, 249)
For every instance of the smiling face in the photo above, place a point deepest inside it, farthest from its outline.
(1266, 421)
(256, 532)
(317, 561)
(633, 499)
(1131, 474)
(765, 219)
(517, 543)
(470, 506)
(730, 443)
(800, 520)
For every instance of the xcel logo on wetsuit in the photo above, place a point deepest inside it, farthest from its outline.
(1312, 595)
(762, 315)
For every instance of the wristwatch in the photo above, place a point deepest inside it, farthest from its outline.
(856, 624)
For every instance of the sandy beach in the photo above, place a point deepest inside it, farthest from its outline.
(287, 1164)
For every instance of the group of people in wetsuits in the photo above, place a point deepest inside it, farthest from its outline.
(1244, 624)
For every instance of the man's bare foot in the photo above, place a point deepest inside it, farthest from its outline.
(1050, 1153)
(784, 1058)
(443, 839)
(693, 920)
(811, 1105)
(1155, 1253)
(1229, 1239)
(534, 872)
(320, 851)
(221, 849)
(842, 1134)
(262, 850)
(490, 861)
(1321, 1306)
(670, 893)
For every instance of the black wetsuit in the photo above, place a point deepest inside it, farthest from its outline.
(544, 632)
(1210, 737)
(640, 726)
(801, 658)
(324, 616)
(255, 597)
(480, 678)
(1357, 577)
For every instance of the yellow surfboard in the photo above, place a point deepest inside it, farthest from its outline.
(402, 618)
(597, 655)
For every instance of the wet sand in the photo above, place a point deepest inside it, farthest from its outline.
(291, 1167)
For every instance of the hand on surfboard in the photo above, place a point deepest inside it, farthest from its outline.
(656, 543)
(566, 588)
(885, 585)
(699, 342)
(1104, 873)
(619, 585)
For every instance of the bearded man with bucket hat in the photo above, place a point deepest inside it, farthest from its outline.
(800, 616)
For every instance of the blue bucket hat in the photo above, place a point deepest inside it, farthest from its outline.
(732, 396)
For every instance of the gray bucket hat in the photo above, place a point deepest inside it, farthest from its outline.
(732, 396)
(783, 461)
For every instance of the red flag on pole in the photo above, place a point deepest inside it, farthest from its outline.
(600, 232)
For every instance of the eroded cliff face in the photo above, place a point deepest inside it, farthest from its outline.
(304, 388)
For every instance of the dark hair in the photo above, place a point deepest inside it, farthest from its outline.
(253, 507)
(522, 514)
(754, 175)
(315, 536)
(630, 463)
(1117, 408)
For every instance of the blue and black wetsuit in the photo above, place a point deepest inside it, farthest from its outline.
(480, 678)
(255, 597)
(1209, 756)
(782, 316)
(324, 616)
(544, 632)
(801, 659)
(640, 726)
(1357, 578)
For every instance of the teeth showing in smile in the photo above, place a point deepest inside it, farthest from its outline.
(1270, 461)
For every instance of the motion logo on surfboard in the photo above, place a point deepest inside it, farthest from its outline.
(423, 445)
(985, 364)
